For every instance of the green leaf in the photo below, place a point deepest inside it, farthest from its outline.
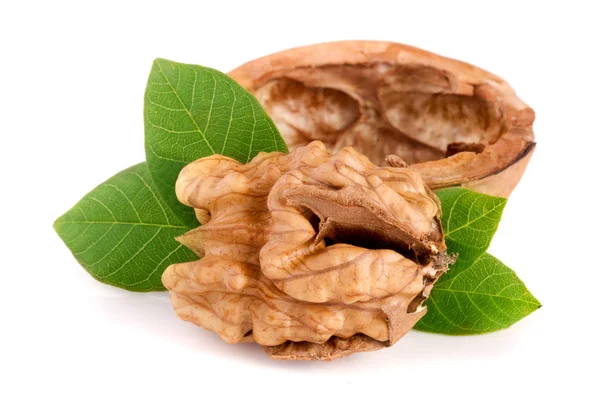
(469, 221)
(123, 233)
(477, 297)
(192, 112)
(479, 293)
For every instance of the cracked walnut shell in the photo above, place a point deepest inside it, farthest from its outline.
(311, 255)
(456, 124)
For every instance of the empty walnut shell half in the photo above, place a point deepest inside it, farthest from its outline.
(311, 255)
(456, 124)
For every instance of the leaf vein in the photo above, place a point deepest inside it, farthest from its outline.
(186, 109)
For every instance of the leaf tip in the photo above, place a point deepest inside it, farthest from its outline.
(161, 62)
(56, 223)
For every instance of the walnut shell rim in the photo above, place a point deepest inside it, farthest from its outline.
(494, 168)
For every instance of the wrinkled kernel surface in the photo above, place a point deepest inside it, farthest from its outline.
(282, 259)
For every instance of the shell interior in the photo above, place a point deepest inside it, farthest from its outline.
(381, 109)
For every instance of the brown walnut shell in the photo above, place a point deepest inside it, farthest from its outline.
(456, 124)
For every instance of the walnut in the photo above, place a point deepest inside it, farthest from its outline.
(313, 256)
(456, 124)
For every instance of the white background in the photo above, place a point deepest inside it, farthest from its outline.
(71, 96)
